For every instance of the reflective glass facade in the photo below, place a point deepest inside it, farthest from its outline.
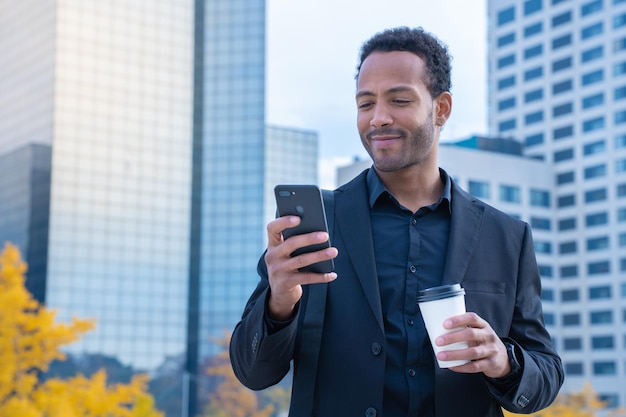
(233, 163)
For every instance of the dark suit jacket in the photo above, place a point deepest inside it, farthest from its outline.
(490, 253)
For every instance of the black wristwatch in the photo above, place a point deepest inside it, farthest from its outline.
(513, 361)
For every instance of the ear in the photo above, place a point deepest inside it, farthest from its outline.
(443, 108)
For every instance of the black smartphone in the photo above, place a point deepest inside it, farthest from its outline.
(304, 201)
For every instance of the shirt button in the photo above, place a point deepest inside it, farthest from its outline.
(414, 222)
(411, 322)
(412, 268)
(411, 372)
(370, 412)
(376, 348)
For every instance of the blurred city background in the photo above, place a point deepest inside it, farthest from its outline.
(140, 142)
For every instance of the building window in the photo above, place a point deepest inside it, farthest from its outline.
(561, 19)
(563, 132)
(591, 7)
(619, 69)
(619, 21)
(600, 293)
(505, 125)
(561, 64)
(568, 247)
(562, 109)
(565, 178)
(619, 93)
(573, 368)
(569, 271)
(619, 45)
(593, 101)
(506, 82)
(532, 118)
(506, 16)
(595, 171)
(601, 317)
(620, 165)
(533, 73)
(593, 124)
(561, 41)
(533, 51)
(620, 117)
(547, 294)
(535, 139)
(539, 198)
(621, 215)
(564, 155)
(479, 189)
(595, 195)
(534, 29)
(506, 61)
(592, 54)
(533, 95)
(593, 77)
(566, 201)
(572, 343)
(598, 243)
(532, 6)
(602, 342)
(506, 39)
(570, 295)
(546, 271)
(567, 224)
(621, 240)
(620, 141)
(543, 247)
(594, 148)
(510, 193)
(598, 268)
(621, 190)
(571, 319)
(506, 103)
(604, 368)
(540, 223)
(596, 219)
(562, 87)
(591, 31)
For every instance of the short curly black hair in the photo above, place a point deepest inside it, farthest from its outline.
(421, 43)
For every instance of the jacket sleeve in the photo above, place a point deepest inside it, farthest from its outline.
(542, 371)
(260, 359)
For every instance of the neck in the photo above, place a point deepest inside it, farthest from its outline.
(414, 187)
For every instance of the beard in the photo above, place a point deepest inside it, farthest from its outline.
(416, 146)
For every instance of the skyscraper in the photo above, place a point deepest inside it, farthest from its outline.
(557, 82)
(151, 218)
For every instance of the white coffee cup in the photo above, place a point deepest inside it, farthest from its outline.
(438, 304)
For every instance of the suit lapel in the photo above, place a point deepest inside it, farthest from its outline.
(352, 207)
(467, 217)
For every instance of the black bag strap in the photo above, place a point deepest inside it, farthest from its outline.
(314, 323)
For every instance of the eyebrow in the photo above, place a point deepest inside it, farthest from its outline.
(392, 90)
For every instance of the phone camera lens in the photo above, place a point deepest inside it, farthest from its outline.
(300, 209)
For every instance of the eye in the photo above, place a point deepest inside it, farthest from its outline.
(401, 101)
(364, 105)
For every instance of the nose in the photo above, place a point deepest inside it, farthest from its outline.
(381, 117)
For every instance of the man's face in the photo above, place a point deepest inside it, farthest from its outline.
(395, 116)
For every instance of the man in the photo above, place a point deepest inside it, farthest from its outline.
(360, 348)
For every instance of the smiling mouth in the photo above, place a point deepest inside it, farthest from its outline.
(383, 135)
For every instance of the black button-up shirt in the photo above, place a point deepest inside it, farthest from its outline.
(410, 250)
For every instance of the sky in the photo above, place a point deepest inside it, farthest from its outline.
(312, 52)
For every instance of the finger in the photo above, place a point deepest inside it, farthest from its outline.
(464, 320)
(306, 259)
(275, 228)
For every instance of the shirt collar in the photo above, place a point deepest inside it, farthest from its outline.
(376, 188)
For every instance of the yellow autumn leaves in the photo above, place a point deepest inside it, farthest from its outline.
(30, 340)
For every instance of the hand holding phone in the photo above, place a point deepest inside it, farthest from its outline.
(305, 201)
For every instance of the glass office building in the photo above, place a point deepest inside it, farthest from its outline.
(557, 82)
(136, 174)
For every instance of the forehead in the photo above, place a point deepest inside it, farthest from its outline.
(396, 67)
